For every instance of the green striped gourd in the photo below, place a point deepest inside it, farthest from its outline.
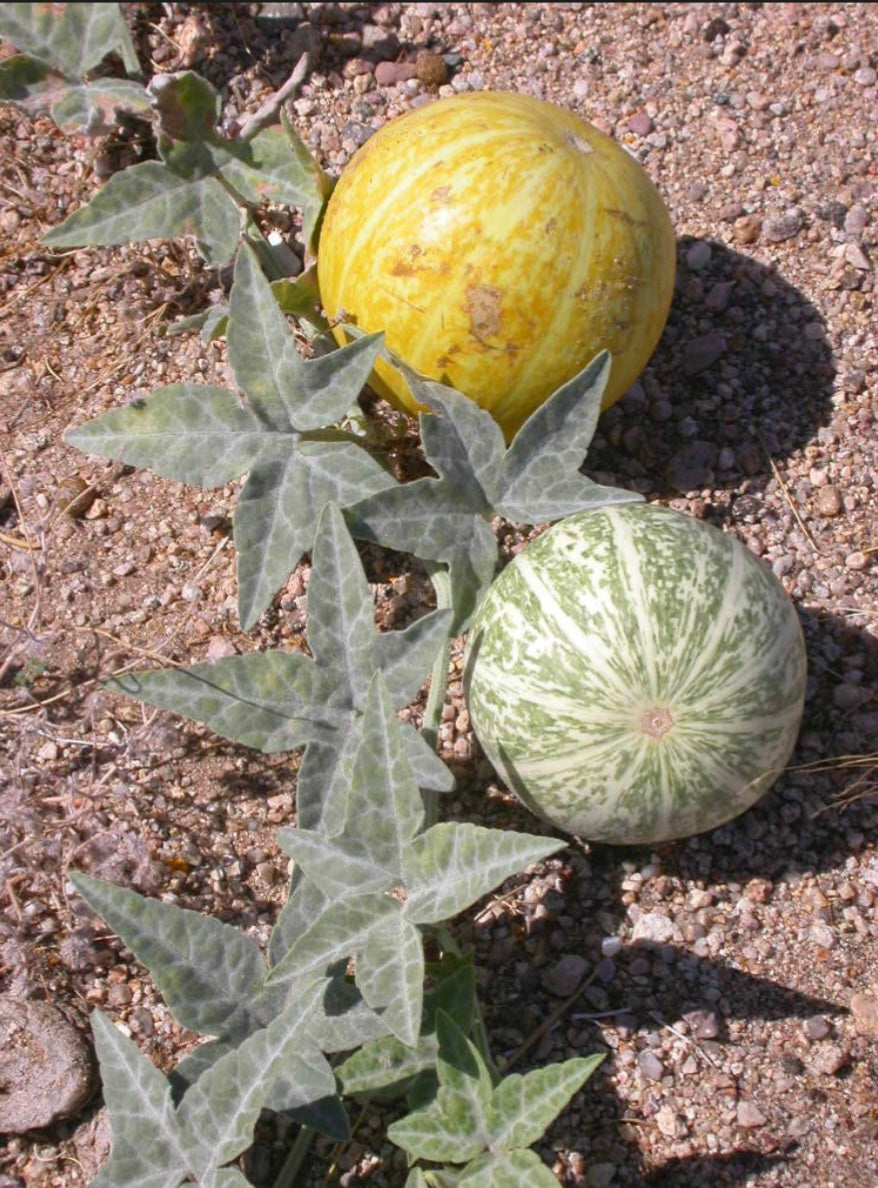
(636, 675)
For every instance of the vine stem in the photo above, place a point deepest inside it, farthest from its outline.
(441, 580)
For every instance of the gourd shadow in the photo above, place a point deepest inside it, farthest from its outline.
(743, 375)
(822, 810)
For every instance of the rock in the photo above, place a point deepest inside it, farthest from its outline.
(600, 1175)
(640, 124)
(387, 74)
(692, 467)
(702, 352)
(704, 1024)
(564, 977)
(749, 1115)
(785, 226)
(47, 1071)
(653, 926)
(864, 1012)
(431, 69)
(747, 228)
(698, 256)
(816, 1028)
(650, 1065)
(828, 1059)
(828, 501)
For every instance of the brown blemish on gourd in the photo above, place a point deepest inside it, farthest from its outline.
(484, 307)
(624, 216)
(441, 194)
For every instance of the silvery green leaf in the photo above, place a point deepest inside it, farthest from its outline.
(343, 1021)
(150, 201)
(405, 656)
(464, 445)
(453, 864)
(523, 1106)
(290, 391)
(74, 37)
(426, 517)
(429, 771)
(218, 1112)
(209, 973)
(94, 107)
(147, 1147)
(384, 809)
(341, 615)
(280, 504)
(189, 432)
(331, 868)
(521, 1168)
(540, 480)
(305, 903)
(272, 701)
(339, 931)
(387, 1061)
(390, 976)
(269, 168)
(224, 1177)
(453, 1127)
(187, 107)
(471, 568)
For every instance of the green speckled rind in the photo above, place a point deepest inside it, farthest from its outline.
(608, 617)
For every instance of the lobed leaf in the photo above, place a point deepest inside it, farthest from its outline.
(193, 433)
(524, 1106)
(147, 1150)
(209, 973)
(452, 865)
(218, 1113)
(150, 201)
(74, 37)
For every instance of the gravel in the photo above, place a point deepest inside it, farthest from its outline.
(730, 979)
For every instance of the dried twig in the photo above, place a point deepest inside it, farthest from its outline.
(268, 112)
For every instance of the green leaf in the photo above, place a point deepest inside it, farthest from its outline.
(470, 1119)
(92, 107)
(147, 1150)
(454, 1126)
(272, 700)
(150, 201)
(189, 432)
(382, 808)
(299, 297)
(390, 976)
(280, 505)
(508, 1169)
(388, 1062)
(187, 107)
(209, 973)
(218, 1113)
(452, 865)
(524, 1106)
(273, 167)
(74, 37)
(290, 391)
(540, 481)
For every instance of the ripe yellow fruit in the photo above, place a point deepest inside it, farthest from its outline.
(500, 243)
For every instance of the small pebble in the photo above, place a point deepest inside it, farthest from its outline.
(749, 1116)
